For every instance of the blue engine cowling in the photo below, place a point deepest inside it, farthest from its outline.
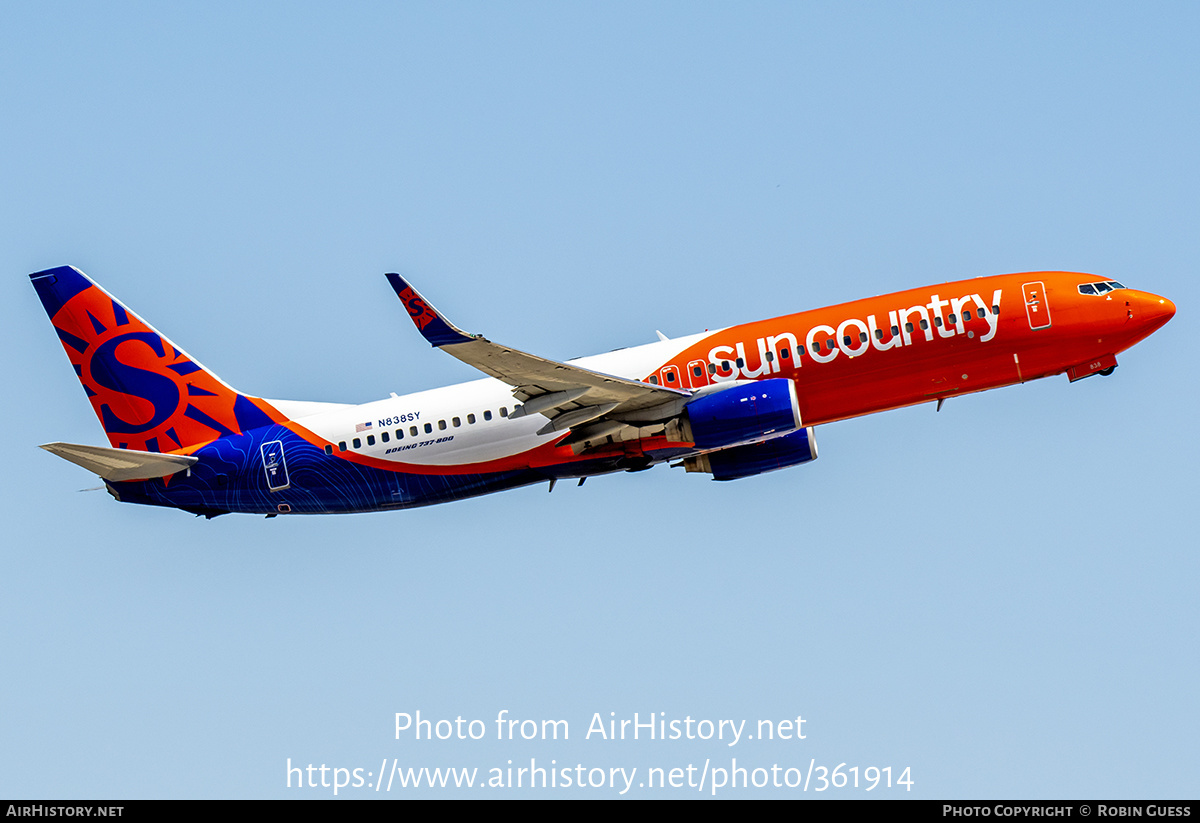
(757, 458)
(744, 414)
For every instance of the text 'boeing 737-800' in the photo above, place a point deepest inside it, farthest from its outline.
(731, 403)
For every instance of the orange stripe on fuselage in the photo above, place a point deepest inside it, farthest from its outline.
(860, 377)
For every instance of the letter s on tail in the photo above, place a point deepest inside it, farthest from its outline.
(147, 392)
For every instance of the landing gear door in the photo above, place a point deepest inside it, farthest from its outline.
(275, 466)
(1036, 308)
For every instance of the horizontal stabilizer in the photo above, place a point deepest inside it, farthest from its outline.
(120, 465)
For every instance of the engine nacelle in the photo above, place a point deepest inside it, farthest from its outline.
(743, 414)
(756, 458)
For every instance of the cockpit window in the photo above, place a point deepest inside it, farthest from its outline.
(1099, 288)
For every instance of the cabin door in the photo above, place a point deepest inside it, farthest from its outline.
(275, 466)
(1036, 308)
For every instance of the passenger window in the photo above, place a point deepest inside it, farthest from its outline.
(456, 422)
(329, 449)
(937, 321)
(770, 357)
(670, 377)
(697, 371)
(712, 368)
(487, 414)
(785, 354)
(413, 431)
(471, 419)
(952, 319)
(370, 440)
(342, 446)
(741, 362)
(725, 365)
(399, 434)
(862, 337)
(504, 411)
(831, 344)
(996, 310)
(357, 443)
(385, 437)
(429, 428)
(654, 379)
(441, 425)
(981, 314)
(896, 330)
(816, 348)
(924, 325)
(908, 327)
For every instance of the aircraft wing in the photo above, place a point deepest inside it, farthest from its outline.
(568, 395)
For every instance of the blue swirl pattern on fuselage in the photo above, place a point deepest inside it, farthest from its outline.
(230, 477)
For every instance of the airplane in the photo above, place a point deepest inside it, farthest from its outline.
(731, 403)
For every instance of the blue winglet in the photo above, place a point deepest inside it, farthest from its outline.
(433, 327)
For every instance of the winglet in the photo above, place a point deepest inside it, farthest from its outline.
(433, 327)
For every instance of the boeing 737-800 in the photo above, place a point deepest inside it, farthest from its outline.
(731, 403)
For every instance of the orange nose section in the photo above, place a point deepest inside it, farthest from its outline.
(1150, 311)
(1160, 309)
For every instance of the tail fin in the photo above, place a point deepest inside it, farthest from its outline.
(148, 393)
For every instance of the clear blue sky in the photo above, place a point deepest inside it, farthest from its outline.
(1001, 596)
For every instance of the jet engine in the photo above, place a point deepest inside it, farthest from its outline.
(737, 462)
(742, 414)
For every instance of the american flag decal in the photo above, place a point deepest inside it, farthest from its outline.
(362, 427)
